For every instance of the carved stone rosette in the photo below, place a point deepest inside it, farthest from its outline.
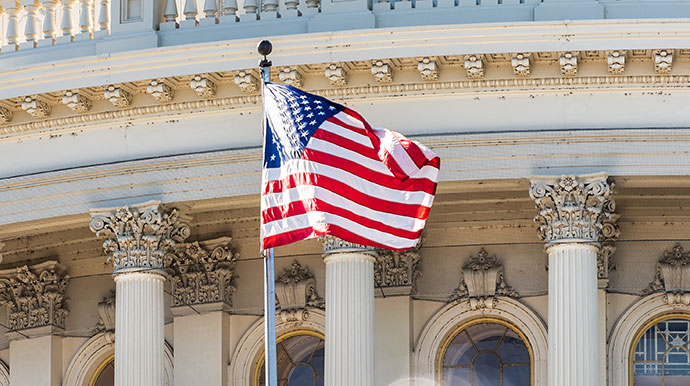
(396, 272)
(481, 280)
(35, 296)
(296, 293)
(574, 209)
(204, 272)
(139, 236)
(672, 276)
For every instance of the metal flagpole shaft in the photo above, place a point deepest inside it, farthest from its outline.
(264, 48)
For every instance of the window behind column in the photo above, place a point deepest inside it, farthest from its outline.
(661, 352)
(485, 352)
(300, 360)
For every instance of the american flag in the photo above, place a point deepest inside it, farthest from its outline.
(327, 172)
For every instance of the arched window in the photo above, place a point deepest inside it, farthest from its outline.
(105, 374)
(486, 352)
(661, 353)
(300, 360)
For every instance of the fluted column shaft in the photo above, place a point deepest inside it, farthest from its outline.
(349, 319)
(573, 315)
(139, 325)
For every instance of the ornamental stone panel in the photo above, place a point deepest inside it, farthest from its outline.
(34, 295)
(481, 280)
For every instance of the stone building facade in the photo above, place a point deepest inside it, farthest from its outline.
(556, 252)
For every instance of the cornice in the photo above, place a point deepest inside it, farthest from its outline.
(456, 87)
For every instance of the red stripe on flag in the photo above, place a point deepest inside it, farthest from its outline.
(320, 230)
(347, 191)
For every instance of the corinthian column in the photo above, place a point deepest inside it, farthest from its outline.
(573, 212)
(140, 241)
(349, 313)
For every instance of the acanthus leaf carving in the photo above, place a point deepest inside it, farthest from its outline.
(76, 101)
(5, 115)
(118, 96)
(428, 68)
(332, 244)
(296, 293)
(573, 208)
(481, 280)
(474, 66)
(203, 86)
(246, 82)
(106, 321)
(204, 272)
(382, 71)
(35, 296)
(397, 268)
(139, 236)
(36, 107)
(336, 74)
(160, 90)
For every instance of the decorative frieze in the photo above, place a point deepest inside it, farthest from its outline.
(428, 68)
(118, 96)
(290, 76)
(76, 101)
(247, 82)
(35, 296)
(672, 276)
(521, 64)
(160, 90)
(474, 66)
(106, 322)
(481, 280)
(203, 86)
(139, 236)
(332, 244)
(336, 75)
(663, 61)
(382, 71)
(396, 272)
(204, 272)
(5, 115)
(615, 61)
(568, 62)
(36, 107)
(572, 209)
(296, 293)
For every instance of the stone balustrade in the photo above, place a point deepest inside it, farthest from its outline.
(29, 24)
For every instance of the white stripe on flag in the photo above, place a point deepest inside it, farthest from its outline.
(312, 219)
(390, 142)
(339, 151)
(305, 192)
(347, 133)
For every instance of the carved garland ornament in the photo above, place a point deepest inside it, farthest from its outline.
(140, 236)
(35, 296)
(481, 280)
(204, 272)
(672, 276)
(574, 209)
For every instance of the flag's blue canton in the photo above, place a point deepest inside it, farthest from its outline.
(292, 117)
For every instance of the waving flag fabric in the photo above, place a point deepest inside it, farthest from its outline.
(327, 172)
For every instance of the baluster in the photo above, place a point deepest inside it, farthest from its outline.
(269, 9)
(229, 12)
(86, 19)
(30, 30)
(190, 10)
(291, 9)
(170, 12)
(250, 10)
(210, 13)
(13, 9)
(67, 22)
(49, 27)
(104, 17)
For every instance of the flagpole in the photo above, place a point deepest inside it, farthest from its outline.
(264, 48)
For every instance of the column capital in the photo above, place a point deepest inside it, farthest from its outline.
(139, 236)
(34, 295)
(574, 209)
(332, 244)
(203, 273)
